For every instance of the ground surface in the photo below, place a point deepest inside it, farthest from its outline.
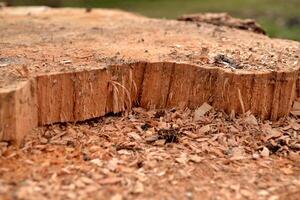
(156, 155)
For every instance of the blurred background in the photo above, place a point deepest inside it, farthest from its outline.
(280, 18)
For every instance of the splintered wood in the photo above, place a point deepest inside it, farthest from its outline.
(201, 111)
(223, 19)
(296, 108)
(53, 70)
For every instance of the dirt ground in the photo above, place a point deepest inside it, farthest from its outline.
(162, 154)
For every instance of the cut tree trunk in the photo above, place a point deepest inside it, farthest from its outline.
(68, 65)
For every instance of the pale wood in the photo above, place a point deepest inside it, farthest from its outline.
(18, 111)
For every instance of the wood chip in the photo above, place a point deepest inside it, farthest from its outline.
(250, 120)
(195, 158)
(97, 162)
(135, 136)
(138, 188)
(272, 133)
(117, 197)
(296, 106)
(110, 181)
(182, 159)
(296, 109)
(265, 152)
(287, 170)
(238, 153)
(204, 129)
(201, 111)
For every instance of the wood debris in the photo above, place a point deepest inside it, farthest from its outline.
(296, 109)
(224, 19)
(136, 155)
(201, 111)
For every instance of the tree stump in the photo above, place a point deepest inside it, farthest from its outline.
(67, 65)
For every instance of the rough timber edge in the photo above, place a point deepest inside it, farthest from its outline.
(18, 111)
(81, 95)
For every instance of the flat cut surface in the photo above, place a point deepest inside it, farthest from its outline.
(43, 40)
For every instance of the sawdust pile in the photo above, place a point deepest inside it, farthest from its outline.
(162, 154)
